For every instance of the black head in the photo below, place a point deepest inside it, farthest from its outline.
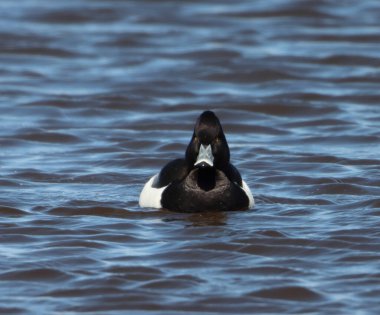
(208, 146)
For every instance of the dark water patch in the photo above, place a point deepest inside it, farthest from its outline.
(128, 40)
(251, 76)
(70, 16)
(79, 203)
(297, 10)
(360, 98)
(116, 304)
(135, 271)
(39, 51)
(331, 159)
(172, 147)
(43, 231)
(103, 178)
(359, 276)
(342, 189)
(349, 60)
(186, 264)
(227, 248)
(12, 310)
(64, 102)
(296, 293)
(295, 201)
(13, 39)
(8, 142)
(370, 294)
(359, 259)
(154, 126)
(49, 137)
(297, 212)
(35, 175)
(265, 271)
(256, 129)
(169, 284)
(359, 79)
(291, 241)
(353, 232)
(85, 292)
(372, 203)
(77, 243)
(288, 110)
(343, 140)
(103, 150)
(274, 250)
(309, 97)
(93, 211)
(15, 238)
(272, 233)
(183, 255)
(353, 241)
(40, 274)
(337, 37)
(359, 181)
(81, 263)
(230, 305)
(9, 211)
(319, 123)
(122, 97)
(117, 238)
(298, 180)
(211, 55)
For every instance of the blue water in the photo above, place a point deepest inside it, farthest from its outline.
(96, 96)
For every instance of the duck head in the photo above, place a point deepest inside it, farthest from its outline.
(208, 147)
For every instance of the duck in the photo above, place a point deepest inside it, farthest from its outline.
(204, 180)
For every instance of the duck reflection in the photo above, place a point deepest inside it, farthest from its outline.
(207, 219)
(212, 218)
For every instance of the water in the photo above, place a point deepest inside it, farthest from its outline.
(96, 96)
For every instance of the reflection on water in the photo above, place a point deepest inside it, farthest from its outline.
(200, 219)
(96, 96)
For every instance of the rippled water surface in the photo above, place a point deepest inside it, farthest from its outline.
(96, 96)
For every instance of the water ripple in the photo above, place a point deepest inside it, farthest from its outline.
(96, 96)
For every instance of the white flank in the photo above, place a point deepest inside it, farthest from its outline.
(150, 197)
(249, 195)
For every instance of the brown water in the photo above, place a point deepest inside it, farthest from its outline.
(96, 96)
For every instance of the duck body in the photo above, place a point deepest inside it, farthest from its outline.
(204, 180)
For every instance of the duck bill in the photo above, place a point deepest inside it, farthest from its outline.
(205, 157)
